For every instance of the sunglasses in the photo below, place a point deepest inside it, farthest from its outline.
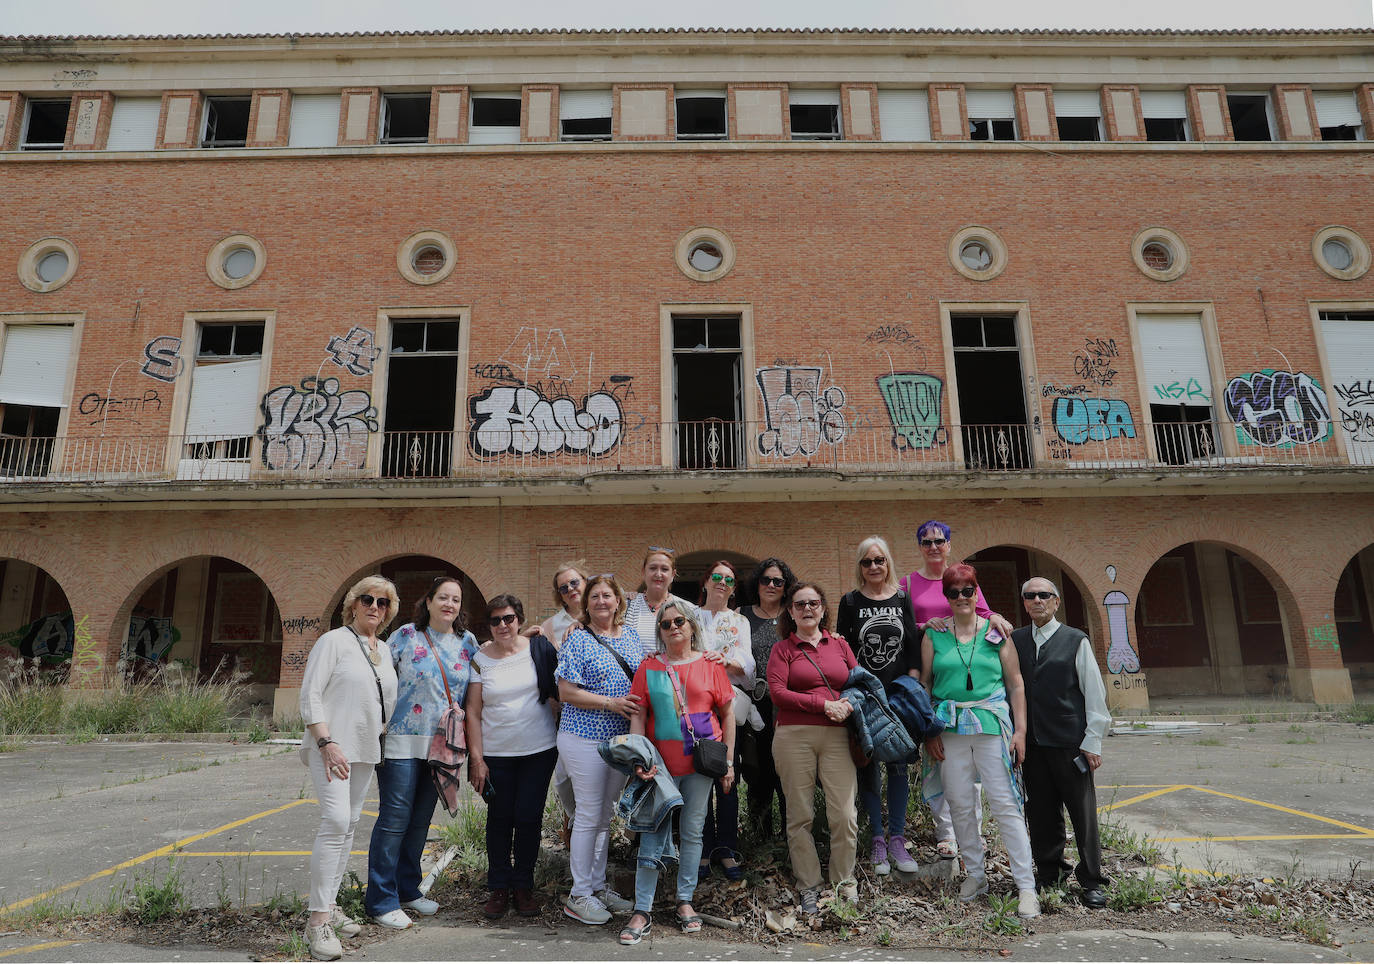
(932, 543)
(1037, 595)
(505, 620)
(569, 586)
(776, 582)
(381, 602)
(968, 592)
(677, 622)
(722, 577)
(873, 563)
(806, 604)
(662, 549)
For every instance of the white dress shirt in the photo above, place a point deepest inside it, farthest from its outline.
(1089, 681)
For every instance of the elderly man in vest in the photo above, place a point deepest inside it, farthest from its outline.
(1066, 709)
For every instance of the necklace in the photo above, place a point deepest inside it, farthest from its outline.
(373, 653)
(959, 651)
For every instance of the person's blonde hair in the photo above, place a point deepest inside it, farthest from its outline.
(669, 554)
(687, 610)
(876, 542)
(374, 585)
(576, 566)
(618, 619)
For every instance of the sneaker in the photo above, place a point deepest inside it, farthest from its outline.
(395, 919)
(880, 865)
(897, 853)
(526, 905)
(324, 943)
(1027, 905)
(587, 910)
(497, 904)
(973, 887)
(947, 849)
(344, 925)
(849, 890)
(422, 906)
(614, 902)
(808, 901)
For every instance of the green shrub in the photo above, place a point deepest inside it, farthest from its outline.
(153, 901)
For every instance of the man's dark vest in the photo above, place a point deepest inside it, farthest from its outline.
(1054, 700)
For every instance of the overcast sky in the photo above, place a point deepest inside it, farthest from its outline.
(20, 17)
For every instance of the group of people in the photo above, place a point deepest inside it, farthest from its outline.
(655, 707)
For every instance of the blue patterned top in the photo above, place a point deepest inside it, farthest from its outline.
(420, 699)
(585, 663)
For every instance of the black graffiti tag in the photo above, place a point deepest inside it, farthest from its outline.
(316, 426)
(1277, 407)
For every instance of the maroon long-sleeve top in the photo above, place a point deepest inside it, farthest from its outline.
(798, 692)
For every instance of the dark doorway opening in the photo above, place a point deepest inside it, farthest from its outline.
(422, 387)
(708, 392)
(992, 404)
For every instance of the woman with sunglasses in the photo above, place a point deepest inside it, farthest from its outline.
(595, 668)
(347, 694)
(431, 654)
(768, 583)
(932, 611)
(877, 621)
(512, 729)
(568, 581)
(686, 696)
(974, 680)
(727, 642)
(807, 671)
(641, 612)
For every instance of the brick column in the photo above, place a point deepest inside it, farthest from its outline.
(643, 112)
(269, 118)
(948, 113)
(1364, 96)
(448, 115)
(358, 115)
(11, 118)
(1035, 112)
(1122, 113)
(539, 113)
(1297, 114)
(1207, 113)
(178, 127)
(758, 112)
(859, 112)
(88, 126)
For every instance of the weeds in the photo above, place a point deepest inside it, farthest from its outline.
(1313, 929)
(1117, 837)
(1003, 919)
(351, 894)
(287, 905)
(1209, 741)
(884, 938)
(1129, 892)
(1052, 899)
(1361, 713)
(153, 901)
(296, 948)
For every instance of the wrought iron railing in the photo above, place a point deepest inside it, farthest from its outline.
(533, 451)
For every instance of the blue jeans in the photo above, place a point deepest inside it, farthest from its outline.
(696, 792)
(898, 793)
(514, 817)
(406, 798)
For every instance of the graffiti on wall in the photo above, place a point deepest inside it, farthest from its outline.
(1080, 420)
(150, 638)
(1121, 655)
(798, 414)
(1096, 361)
(1189, 392)
(129, 408)
(53, 638)
(86, 658)
(520, 420)
(1356, 409)
(898, 335)
(1051, 390)
(354, 351)
(301, 625)
(315, 425)
(162, 358)
(913, 405)
(1273, 408)
(527, 353)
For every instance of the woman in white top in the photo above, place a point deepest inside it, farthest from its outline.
(512, 733)
(347, 695)
(641, 609)
(568, 582)
(727, 641)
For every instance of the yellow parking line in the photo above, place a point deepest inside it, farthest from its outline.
(1116, 805)
(150, 855)
(1276, 836)
(257, 853)
(36, 947)
(1132, 786)
(1363, 831)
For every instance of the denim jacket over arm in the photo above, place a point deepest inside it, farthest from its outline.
(645, 804)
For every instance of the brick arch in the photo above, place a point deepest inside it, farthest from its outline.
(713, 535)
(1088, 570)
(59, 564)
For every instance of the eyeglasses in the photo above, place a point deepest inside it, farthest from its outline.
(504, 620)
(381, 602)
(806, 604)
(777, 582)
(569, 586)
(873, 563)
(677, 622)
(722, 577)
(968, 592)
(1037, 595)
(932, 543)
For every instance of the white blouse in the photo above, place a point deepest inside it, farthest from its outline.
(338, 689)
(728, 632)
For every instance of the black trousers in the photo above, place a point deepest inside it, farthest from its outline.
(515, 816)
(1053, 785)
(762, 777)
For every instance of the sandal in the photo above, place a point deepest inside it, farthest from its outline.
(629, 936)
(947, 849)
(690, 924)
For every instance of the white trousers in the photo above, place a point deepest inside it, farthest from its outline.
(597, 787)
(341, 806)
(968, 758)
(944, 826)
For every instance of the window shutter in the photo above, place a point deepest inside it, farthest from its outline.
(583, 104)
(1350, 358)
(314, 120)
(991, 104)
(133, 123)
(812, 97)
(34, 368)
(1077, 103)
(224, 400)
(1161, 104)
(904, 115)
(1337, 108)
(1175, 359)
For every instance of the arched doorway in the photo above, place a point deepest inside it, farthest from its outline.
(1208, 622)
(1353, 612)
(412, 576)
(35, 616)
(692, 566)
(1003, 569)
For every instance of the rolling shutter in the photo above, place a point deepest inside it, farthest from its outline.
(1174, 356)
(224, 400)
(904, 115)
(583, 104)
(1350, 358)
(1163, 104)
(314, 120)
(33, 370)
(1077, 103)
(990, 104)
(1337, 108)
(133, 123)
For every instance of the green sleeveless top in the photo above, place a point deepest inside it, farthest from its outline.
(953, 664)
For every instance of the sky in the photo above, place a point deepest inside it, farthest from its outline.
(114, 17)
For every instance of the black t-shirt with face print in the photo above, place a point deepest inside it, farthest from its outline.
(882, 633)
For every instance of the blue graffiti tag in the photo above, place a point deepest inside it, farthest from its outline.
(1079, 420)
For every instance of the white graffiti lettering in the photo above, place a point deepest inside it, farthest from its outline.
(798, 414)
(316, 426)
(518, 420)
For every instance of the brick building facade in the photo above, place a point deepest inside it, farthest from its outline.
(286, 310)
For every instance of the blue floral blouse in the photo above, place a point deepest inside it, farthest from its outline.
(585, 663)
(420, 699)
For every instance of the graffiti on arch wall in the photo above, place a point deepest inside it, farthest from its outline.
(53, 638)
(316, 425)
(798, 414)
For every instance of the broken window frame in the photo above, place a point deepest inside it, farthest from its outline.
(389, 102)
(721, 135)
(210, 131)
(26, 143)
(1240, 106)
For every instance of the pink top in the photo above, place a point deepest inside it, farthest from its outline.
(928, 599)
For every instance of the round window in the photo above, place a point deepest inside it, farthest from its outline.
(977, 253)
(52, 266)
(1335, 252)
(976, 256)
(1157, 255)
(1340, 252)
(428, 259)
(240, 262)
(705, 256)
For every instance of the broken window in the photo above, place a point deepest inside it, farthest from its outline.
(33, 392)
(584, 115)
(1078, 115)
(1249, 117)
(226, 121)
(495, 119)
(991, 115)
(46, 127)
(422, 385)
(1338, 115)
(223, 409)
(992, 406)
(405, 118)
(701, 117)
(1165, 113)
(708, 392)
(814, 114)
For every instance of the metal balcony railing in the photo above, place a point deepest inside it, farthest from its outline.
(529, 450)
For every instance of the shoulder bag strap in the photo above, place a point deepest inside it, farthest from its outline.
(833, 695)
(624, 666)
(681, 697)
(434, 651)
(368, 660)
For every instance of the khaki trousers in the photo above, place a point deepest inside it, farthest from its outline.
(803, 754)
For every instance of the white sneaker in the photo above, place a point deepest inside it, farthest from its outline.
(614, 902)
(848, 890)
(1028, 904)
(973, 887)
(395, 919)
(422, 906)
(587, 910)
(344, 925)
(324, 943)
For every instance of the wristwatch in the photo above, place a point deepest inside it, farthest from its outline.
(323, 741)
